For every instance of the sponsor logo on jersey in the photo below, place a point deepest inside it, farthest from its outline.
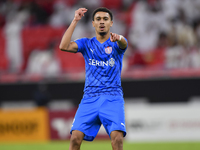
(111, 62)
(123, 124)
(92, 50)
(94, 62)
(108, 50)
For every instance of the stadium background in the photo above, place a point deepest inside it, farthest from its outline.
(41, 87)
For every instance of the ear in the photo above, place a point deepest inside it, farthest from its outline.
(111, 24)
(93, 23)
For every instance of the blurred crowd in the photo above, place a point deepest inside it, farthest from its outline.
(162, 34)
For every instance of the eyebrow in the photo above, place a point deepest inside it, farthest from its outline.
(101, 17)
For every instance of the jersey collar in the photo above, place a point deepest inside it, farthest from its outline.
(108, 40)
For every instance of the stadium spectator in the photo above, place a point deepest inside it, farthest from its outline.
(44, 62)
(16, 17)
(141, 21)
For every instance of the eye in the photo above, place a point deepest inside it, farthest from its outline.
(98, 19)
(105, 18)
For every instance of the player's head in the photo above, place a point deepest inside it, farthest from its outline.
(102, 9)
(102, 20)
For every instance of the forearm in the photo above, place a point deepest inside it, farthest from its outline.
(66, 39)
(122, 43)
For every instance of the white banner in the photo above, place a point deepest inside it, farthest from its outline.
(162, 122)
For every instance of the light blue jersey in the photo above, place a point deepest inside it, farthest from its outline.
(103, 65)
(103, 101)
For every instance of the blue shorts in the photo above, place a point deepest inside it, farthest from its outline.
(94, 111)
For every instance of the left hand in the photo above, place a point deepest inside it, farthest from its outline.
(114, 37)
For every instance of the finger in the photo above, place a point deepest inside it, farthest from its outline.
(82, 13)
(112, 35)
(83, 8)
(117, 37)
(111, 39)
(114, 38)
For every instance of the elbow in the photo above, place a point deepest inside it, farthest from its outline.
(62, 48)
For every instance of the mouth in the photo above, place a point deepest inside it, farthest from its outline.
(102, 28)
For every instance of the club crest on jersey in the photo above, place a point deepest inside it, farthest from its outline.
(108, 50)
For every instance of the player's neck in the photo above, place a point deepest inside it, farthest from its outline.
(103, 38)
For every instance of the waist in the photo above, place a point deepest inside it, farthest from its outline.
(98, 91)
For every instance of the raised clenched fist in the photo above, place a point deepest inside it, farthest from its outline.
(79, 13)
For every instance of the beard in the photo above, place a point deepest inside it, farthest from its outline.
(102, 33)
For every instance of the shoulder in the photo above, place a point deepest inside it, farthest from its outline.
(83, 44)
(84, 40)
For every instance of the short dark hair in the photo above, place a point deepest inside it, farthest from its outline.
(103, 9)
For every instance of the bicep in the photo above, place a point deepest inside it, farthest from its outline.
(73, 47)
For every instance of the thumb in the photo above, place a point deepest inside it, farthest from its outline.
(111, 37)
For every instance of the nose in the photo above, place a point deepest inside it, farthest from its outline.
(101, 21)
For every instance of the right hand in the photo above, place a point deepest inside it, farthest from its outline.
(79, 13)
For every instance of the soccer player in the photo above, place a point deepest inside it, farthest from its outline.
(102, 102)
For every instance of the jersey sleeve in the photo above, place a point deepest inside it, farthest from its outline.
(81, 44)
(118, 48)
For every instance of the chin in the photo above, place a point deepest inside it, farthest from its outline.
(102, 33)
